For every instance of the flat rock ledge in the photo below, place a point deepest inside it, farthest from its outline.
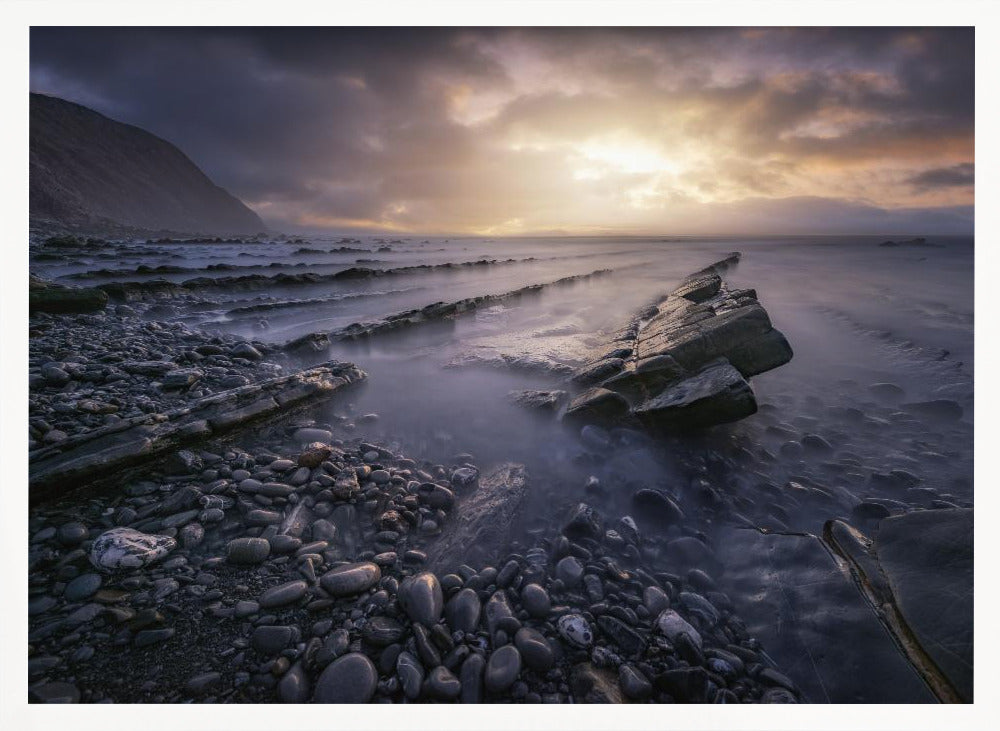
(683, 363)
(437, 312)
(45, 296)
(76, 461)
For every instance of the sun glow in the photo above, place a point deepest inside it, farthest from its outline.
(620, 155)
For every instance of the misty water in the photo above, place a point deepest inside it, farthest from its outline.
(855, 313)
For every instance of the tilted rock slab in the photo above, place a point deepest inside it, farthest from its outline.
(437, 312)
(804, 606)
(684, 362)
(104, 451)
(918, 576)
(485, 518)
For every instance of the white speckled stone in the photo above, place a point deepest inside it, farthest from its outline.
(575, 630)
(125, 548)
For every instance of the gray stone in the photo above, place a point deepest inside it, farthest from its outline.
(307, 435)
(411, 675)
(351, 678)
(569, 570)
(717, 394)
(442, 684)
(671, 625)
(421, 598)
(463, 610)
(798, 603)
(471, 676)
(82, 587)
(350, 579)
(597, 406)
(535, 601)
(633, 683)
(247, 551)
(294, 686)
(272, 639)
(382, 631)
(484, 522)
(279, 596)
(502, 669)
(534, 648)
(72, 534)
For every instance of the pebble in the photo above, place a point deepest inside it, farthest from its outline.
(272, 639)
(422, 599)
(411, 675)
(351, 678)
(633, 683)
(670, 624)
(535, 601)
(247, 551)
(82, 587)
(383, 631)
(125, 548)
(502, 669)
(534, 648)
(72, 534)
(153, 636)
(294, 685)
(203, 683)
(569, 570)
(279, 596)
(307, 435)
(350, 579)
(575, 630)
(463, 611)
(471, 676)
(442, 684)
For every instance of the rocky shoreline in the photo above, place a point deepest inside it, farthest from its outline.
(295, 562)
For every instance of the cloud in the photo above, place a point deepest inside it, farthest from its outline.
(957, 175)
(573, 128)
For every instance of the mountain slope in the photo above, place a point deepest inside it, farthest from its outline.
(89, 172)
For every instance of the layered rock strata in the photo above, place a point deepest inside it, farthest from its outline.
(683, 363)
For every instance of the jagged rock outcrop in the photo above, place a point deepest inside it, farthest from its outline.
(91, 173)
(684, 362)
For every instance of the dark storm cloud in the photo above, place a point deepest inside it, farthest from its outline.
(956, 175)
(477, 129)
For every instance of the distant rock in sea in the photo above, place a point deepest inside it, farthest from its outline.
(919, 241)
(90, 173)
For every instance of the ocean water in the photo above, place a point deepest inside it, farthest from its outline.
(855, 313)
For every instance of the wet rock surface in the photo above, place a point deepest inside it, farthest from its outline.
(683, 363)
(332, 602)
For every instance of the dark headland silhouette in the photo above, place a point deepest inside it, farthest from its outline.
(91, 173)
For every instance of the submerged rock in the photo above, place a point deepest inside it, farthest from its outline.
(927, 560)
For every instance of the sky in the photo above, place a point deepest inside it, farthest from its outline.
(577, 131)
